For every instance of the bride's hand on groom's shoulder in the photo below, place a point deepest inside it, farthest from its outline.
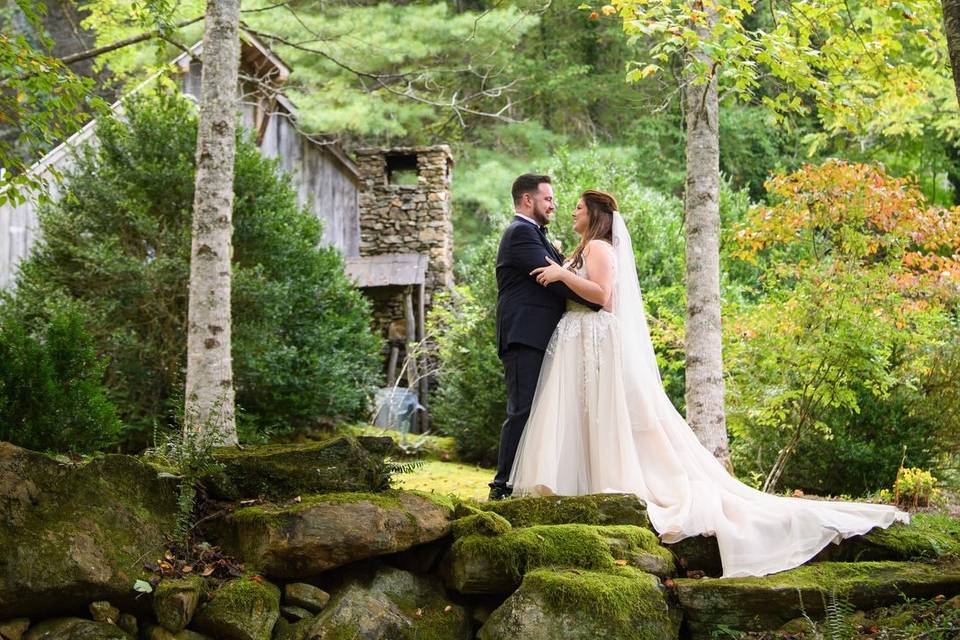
(553, 272)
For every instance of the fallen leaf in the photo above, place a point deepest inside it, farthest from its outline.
(418, 613)
(620, 563)
(256, 579)
(142, 586)
(187, 568)
(206, 572)
(448, 608)
(298, 499)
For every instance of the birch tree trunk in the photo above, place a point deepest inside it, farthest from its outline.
(951, 26)
(209, 397)
(704, 360)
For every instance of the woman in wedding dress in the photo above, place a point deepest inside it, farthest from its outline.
(601, 422)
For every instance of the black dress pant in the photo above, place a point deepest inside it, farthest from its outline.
(521, 369)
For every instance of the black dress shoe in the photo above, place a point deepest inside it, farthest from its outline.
(499, 493)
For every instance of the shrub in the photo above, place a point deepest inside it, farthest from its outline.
(119, 242)
(915, 487)
(52, 397)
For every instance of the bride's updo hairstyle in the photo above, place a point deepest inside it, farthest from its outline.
(600, 208)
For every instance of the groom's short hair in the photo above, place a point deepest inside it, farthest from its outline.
(527, 183)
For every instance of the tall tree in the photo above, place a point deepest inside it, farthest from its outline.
(859, 64)
(704, 358)
(209, 397)
(951, 25)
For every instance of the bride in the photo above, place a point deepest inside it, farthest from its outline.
(602, 423)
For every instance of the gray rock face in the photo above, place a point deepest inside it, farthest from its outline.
(307, 596)
(327, 531)
(584, 605)
(242, 609)
(75, 629)
(389, 605)
(72, 534)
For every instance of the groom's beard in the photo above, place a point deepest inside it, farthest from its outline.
(541, 216)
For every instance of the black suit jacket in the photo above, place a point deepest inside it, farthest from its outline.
(527, 312)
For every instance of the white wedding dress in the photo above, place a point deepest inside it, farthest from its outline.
(602, 423)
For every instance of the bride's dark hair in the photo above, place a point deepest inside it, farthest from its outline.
(600, 208)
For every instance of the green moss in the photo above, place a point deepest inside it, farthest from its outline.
(600, 509)
(485, 523)
(288, 470)
(574, 545)
(447, 501)
(243, 594)
(190, 583)
(835, 576)
(927, 536)
(269, 511)
(621, 594)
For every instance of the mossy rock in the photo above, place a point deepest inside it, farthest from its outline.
(927, 537)
(155, 632)
(496, 564)
(324, 531)
(243, 609)
(284, 471)
(388, 604)
(485, 523)
(76, 533)
(75, 629)
(762, 604)
(175, 602)
(574, 604)
(604, 509)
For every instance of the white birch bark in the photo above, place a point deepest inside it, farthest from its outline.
(209, 396)
(704, 360)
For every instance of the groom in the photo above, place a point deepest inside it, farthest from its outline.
(527, 313)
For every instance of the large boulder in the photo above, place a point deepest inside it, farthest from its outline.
(481, 563)
(75, 629)
(603, 508)
(319, 532)
(389, 604)
(76, 533)
(927, 537)
(623, 603)
(764, 604)
(242, 609)
(281, 471)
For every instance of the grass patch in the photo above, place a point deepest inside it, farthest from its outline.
(466, 481)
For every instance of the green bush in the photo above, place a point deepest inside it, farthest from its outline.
(118, 242)
(52, 397)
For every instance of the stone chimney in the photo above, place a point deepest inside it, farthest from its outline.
(405, 208)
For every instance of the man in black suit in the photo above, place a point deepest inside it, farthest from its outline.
(527, 313)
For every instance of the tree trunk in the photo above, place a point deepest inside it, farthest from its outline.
(951, 24)
(209, 407)
(704, 361)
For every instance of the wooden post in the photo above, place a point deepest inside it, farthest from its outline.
(424, 381)
(412, 371)
(392, 365)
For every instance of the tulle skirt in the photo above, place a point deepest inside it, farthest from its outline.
(600, 425)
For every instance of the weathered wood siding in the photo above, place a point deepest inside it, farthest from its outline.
(326, 182)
